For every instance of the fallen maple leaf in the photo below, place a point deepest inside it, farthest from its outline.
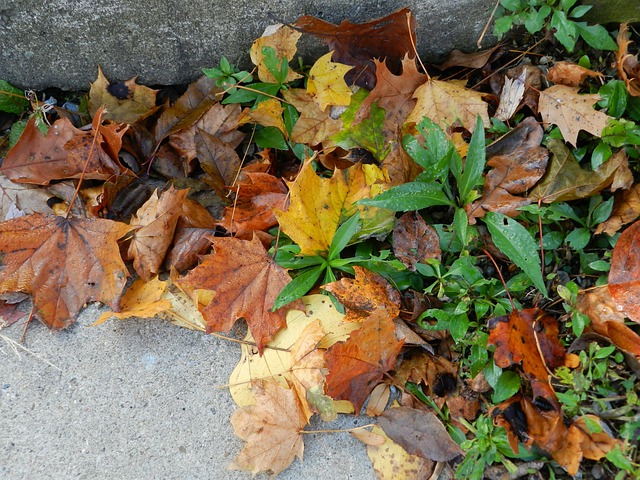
(358, 44)
(420, 433)
(267, 113)
(566, 180)
(326, 83)
(283, 40)
(624, 276)
(314, 125)
(415, 241)
(272, 429)
(64, 153)
(365, 294)
(570, 74)
(626, 208)
(157, 220)
(510, 175)
(571, 112)
(448, 102)
(357, 365)
(319, 205)
(529, 337)
(435, 373)
(142, 299)
(124, 102)
(63, 263)
(246, 282)
(607, 320)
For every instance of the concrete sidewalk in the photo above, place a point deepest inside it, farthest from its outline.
(136, 399)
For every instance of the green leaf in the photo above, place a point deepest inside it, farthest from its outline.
(566, 31)
(16, 130)
(567, 4)
(270, 137)
(502, 25)
(596, 36)
(536, 19)
(614, 98)
(579, 238)
(436, 153)
(507, 386)
(369, 134)
(461, 225)
(409, 196)
(298, 287)
(600, 154)
(242, 95)
(580, 11)
(474, 165)
(516, 242)
(278, 67)
(12, 99)
(342, 236)
(512, 5)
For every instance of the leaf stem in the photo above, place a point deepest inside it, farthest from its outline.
(338, 430)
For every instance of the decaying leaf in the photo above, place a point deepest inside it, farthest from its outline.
(624, 276)
(357, 365)
(246, 282)
(326, 83)
(511, 96)
(420, 433)
(272, 429)
(314, 125)
(156, 220)
(566, 180)
(570, 74)
(607, 320)
(125, 102)
(571, 112)
(142, 299)
(358, 44)
(365, 294)
(415, 241)
(626, 63)
(63, 263)
(626, 208)
(392, 462)
(436, 374)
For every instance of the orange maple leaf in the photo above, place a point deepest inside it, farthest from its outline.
(62, 263)
(246, 281)
(357, 365)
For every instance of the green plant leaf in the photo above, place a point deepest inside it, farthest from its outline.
(435, 155)
(343, 234)
(474, 165)
(614, 98)
(270, 137)
(596, 36)
(516, 242)
(298, 287)
(12, 99)
(410, 196)
(278, 67)
(513, 5)
(253, 93)
(502, 25)
(566, 31)
(580, 11)
(369, 134)
(507, 386)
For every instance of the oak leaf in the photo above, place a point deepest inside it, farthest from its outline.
(272, 429)
(314, 125)
(566, 180)
(283, 40)
(448, 102)
(63, 263)
(124, 102)
(510, 175)
(415, 241)
(571, 112)
(624, 276)
(358, 365)
(319, 205)
(157, 220)
(358, 44)
(64, 153)
(326, 83)
(246, 282)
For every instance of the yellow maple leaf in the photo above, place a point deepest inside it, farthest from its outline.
(283, 40)
(319, 205)
(571, 112)
(267, 113)
(314, 126)
(446, 102)
(326, 83)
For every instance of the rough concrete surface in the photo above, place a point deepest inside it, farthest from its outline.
(136, 399)
(59, 43)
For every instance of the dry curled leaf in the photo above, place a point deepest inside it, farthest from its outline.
(626, 63)
(624, 276)
(570, 74)
(415, 241)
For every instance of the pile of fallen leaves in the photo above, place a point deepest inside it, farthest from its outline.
(195, 196)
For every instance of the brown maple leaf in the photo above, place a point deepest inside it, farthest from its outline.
(246, 282)
(511, 174)
(358, 44)
(357, 365)
(64, 153)
(272, 429)
(624, 276)
(314, 126)
(157, 220)
(63, 263)
(415, 241)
